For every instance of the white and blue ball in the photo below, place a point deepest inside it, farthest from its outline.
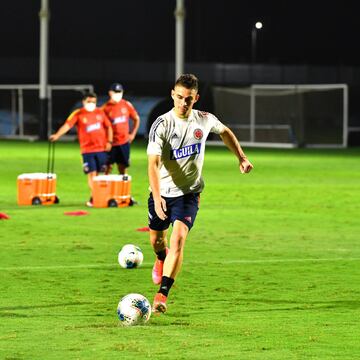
(134, 309)
(130, 256)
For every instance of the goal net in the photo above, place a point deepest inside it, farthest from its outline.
(285, 115)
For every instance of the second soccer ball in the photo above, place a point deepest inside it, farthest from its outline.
(130, 256)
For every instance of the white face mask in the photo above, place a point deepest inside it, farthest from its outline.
(117, 97)
(90, 107)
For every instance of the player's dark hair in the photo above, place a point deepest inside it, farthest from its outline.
(188, 81)
(89, 95)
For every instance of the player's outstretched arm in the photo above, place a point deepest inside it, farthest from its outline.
(230, 140)
(63, 130)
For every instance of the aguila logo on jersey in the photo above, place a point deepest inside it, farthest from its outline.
(93, 127)
(198, 134)
(119, 119)
(185, 151)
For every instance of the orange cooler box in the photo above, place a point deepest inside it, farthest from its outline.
(111, 191)
(37, 189)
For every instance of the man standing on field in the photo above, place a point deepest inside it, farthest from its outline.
(95, 137)
(120, 111)
(176, 151)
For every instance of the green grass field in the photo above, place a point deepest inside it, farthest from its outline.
(271, 267)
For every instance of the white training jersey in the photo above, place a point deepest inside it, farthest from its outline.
(181, 145)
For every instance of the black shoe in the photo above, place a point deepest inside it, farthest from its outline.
(90, 203)
(133, 202)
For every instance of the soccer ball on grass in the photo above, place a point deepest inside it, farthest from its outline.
(134, 309)
(130, 256)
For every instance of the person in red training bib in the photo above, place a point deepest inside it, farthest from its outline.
(95, 136)
(120, 111)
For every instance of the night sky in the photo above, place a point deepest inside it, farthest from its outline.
(295, 32)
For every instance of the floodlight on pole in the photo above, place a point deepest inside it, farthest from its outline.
(43, 69)
(179, 38)
(258, 26)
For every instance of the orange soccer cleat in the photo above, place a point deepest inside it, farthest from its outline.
(157, 270)
(159, 304)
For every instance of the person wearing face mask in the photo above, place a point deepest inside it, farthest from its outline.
(95, 136)
(120, 111)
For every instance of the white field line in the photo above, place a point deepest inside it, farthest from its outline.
(239, 261)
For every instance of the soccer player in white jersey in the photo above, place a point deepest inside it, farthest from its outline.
(176, 151)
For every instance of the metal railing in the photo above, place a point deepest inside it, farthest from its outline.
(17, 104)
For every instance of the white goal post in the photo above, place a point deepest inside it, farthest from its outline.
(19, 107)
(286, 116)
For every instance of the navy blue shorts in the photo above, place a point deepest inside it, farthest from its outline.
(183, 208)
(95, 161)
(120, 154)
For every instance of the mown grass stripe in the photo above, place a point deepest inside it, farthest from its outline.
(240, 261)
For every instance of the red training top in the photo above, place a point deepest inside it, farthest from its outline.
(119, 114)
(91, 129)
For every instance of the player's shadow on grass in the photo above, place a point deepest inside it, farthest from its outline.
(7, 311)
(300, 305)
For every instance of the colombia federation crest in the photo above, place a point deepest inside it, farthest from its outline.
(198, 134)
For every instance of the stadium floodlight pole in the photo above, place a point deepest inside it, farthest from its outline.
(258, 25)
(43, 69)
(179, 40)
